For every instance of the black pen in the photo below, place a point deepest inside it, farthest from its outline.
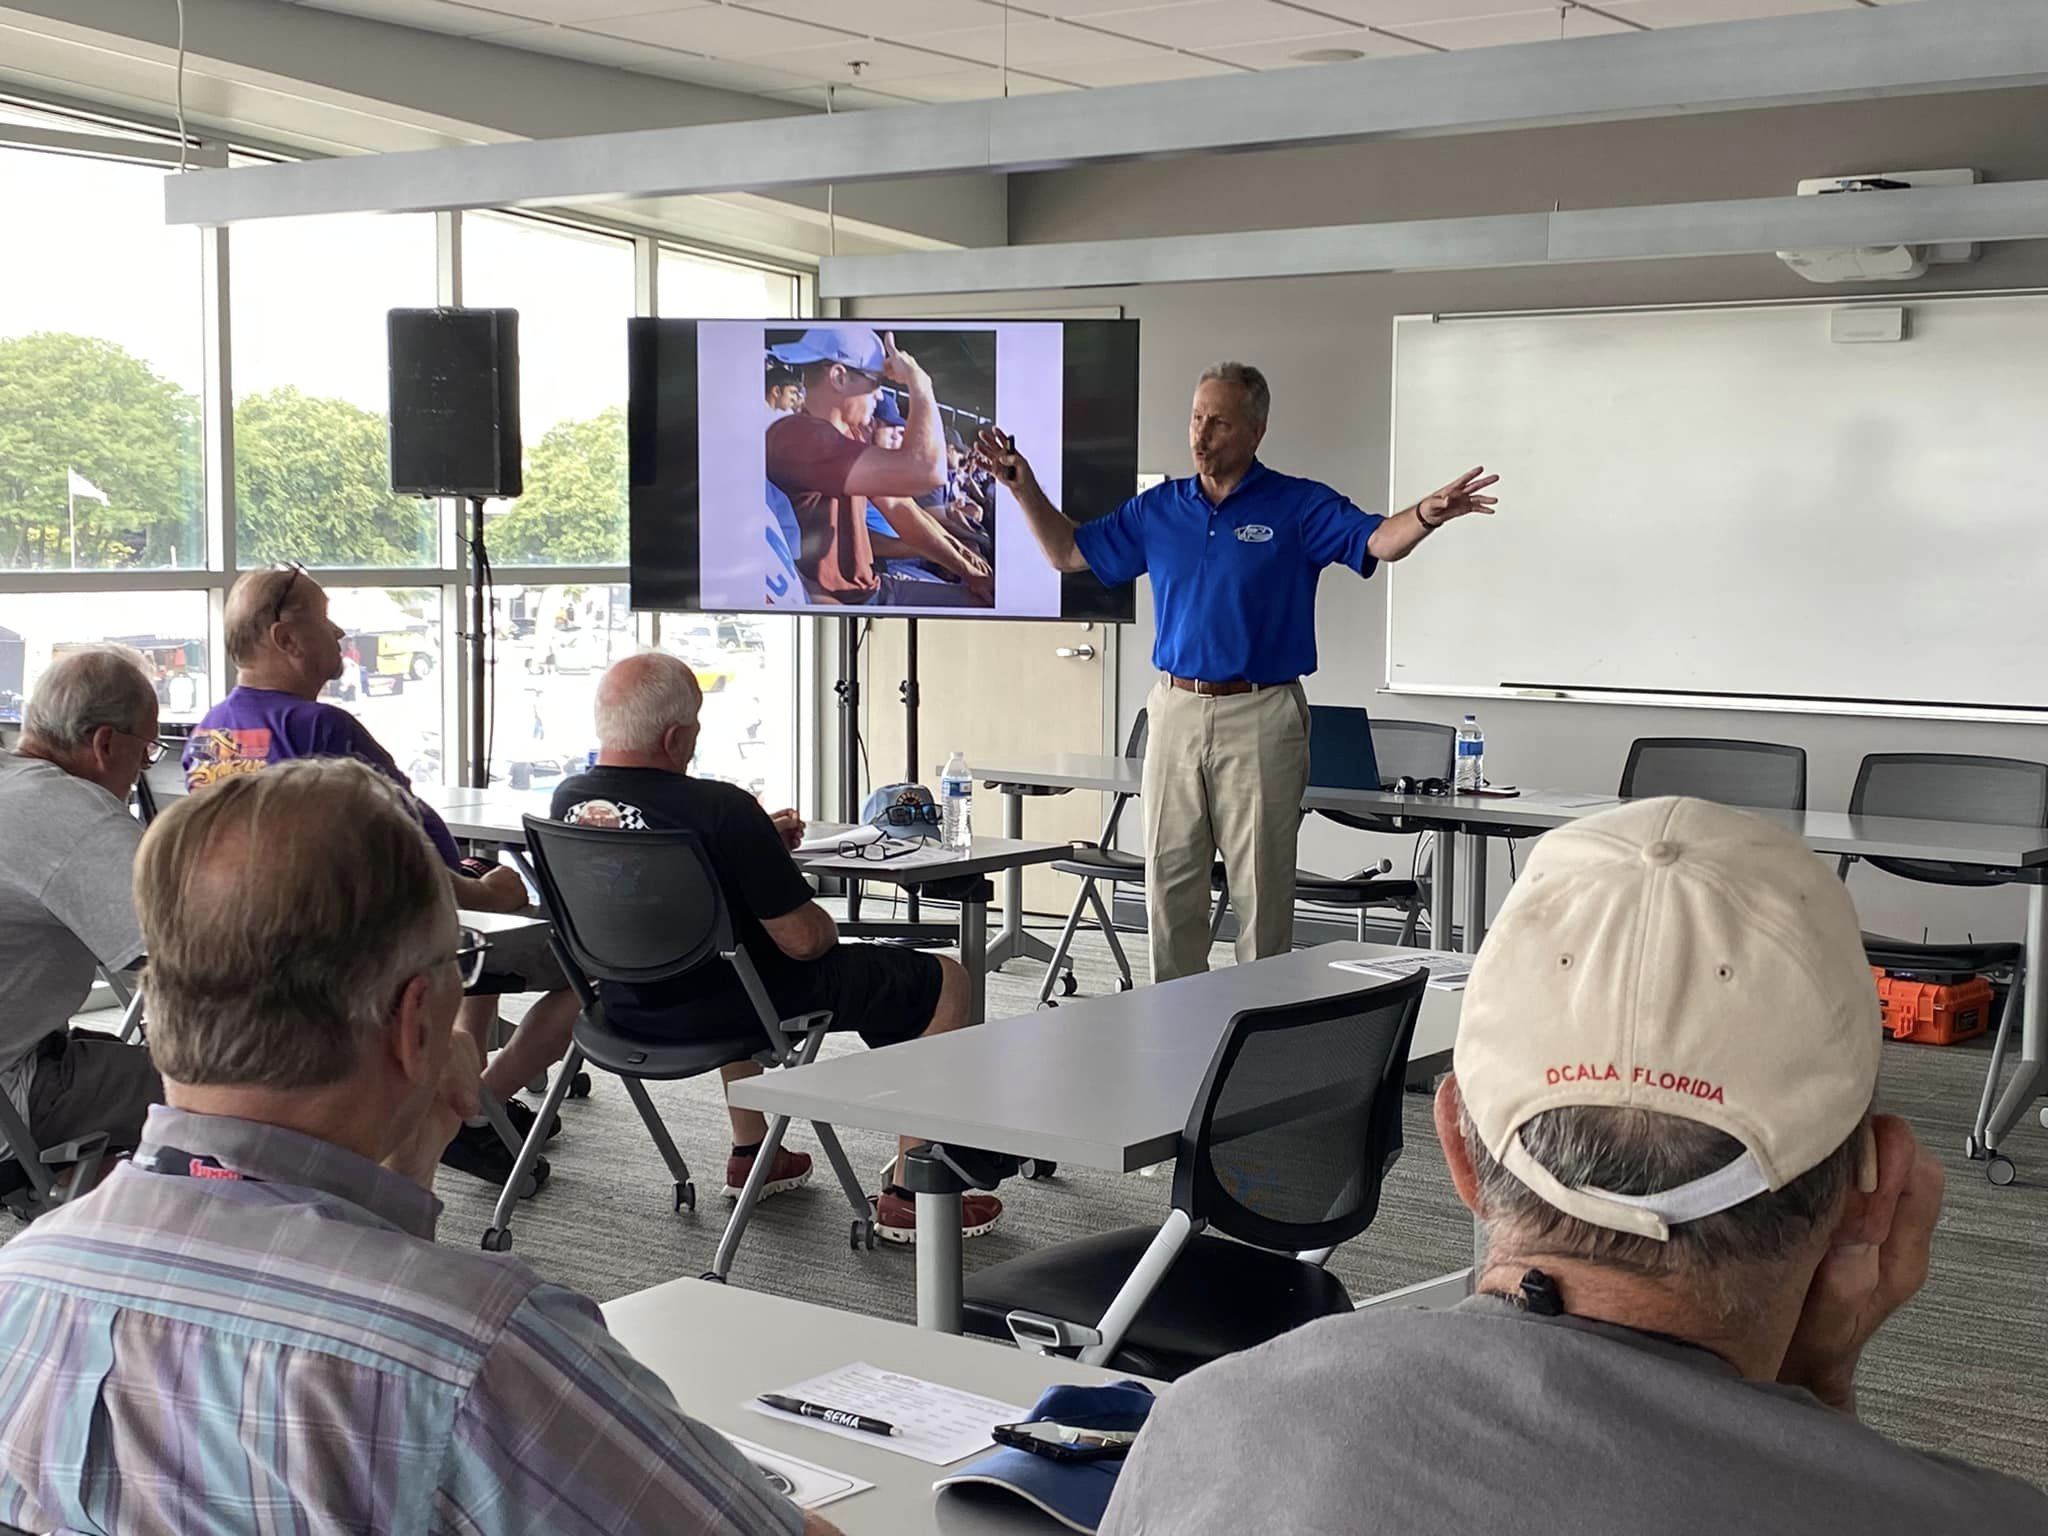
(824, 1415)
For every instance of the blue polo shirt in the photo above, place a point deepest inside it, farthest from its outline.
(1233, 586)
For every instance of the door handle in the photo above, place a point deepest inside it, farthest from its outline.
(1075, 652)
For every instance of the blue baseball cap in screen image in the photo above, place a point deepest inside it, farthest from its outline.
(1075, 1493)
(854, 345)
(887, 411)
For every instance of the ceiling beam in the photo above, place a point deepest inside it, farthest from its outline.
(2016, 210)
(1958, 45)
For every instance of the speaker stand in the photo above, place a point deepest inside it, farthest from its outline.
(479, 774)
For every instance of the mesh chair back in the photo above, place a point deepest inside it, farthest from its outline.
(1762, 774)
(629, 906)
(1141, 731)
(1415, 749)
(1936, 786)
(1299, 1117)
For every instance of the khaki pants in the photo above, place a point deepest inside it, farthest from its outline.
(1222, 774)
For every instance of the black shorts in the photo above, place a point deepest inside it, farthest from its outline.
(883, 993)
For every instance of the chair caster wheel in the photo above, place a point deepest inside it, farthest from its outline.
(537, 1180)
(713, 1276)
(1037, 1169)
(2000, 1170)
(862, 1236)
(497, 1240)
(579, 1086)
(1124, 983)
(1069, 984)
(1973, 1149)
(686, 1195)
(1050, 1002)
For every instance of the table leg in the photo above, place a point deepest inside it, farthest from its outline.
(974, 953)
(938, 1262)
(1443, 885)
(2030, 1078)
(1011, 941)
(1473, 933)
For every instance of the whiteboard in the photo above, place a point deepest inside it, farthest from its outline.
(1724, 506)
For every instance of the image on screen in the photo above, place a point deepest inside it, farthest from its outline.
(832, 467)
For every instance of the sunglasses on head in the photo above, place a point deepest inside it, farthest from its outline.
(284, 595)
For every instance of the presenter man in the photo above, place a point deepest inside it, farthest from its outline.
(1234, 553)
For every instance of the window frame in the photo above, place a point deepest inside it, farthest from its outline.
(138, 141)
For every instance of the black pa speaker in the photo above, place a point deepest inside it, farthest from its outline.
(455, 402)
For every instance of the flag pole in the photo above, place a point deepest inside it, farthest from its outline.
(71, 517)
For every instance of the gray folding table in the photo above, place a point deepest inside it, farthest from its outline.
(1098, 1083)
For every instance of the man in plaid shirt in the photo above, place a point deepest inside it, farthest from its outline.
(249, 1328)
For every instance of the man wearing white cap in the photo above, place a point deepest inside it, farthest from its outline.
(1694, 1225)
(824, 459)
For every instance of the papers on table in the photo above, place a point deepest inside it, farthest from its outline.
(934, 1423)
(821, 843)
(1448, 972)
(804, 1483)
(877, 855)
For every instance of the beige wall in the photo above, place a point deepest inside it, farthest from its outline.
(1325, 344)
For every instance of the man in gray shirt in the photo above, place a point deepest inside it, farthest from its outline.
(67, 857)
(1661, 1116)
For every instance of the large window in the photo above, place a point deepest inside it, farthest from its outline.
(105, 530)
(100, 367)
(312, 390)
(574, 294)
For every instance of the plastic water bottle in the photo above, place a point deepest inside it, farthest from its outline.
(956, 804)
(1471, 756)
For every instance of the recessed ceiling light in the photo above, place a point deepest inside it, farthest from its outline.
(1330, 55)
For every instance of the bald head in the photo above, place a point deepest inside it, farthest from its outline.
(278, 633)
(647, 711)
(284, 910)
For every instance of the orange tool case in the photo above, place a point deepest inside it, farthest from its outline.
(1932, 1012)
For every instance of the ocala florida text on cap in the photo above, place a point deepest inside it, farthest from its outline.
(1682, 957)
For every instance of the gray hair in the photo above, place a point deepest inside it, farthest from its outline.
(86, 689)
(1638, 1151)
(641, 697)
(284, 911)
(1257, 396)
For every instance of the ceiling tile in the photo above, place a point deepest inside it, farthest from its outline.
(1371, 45)
(1159, 65)
(1217, 23)
(880, 61)
(904, 21)
(978, 84)
(844, 99)
(1084, 8)
(573, 11)
(722, 30)
(427, 15)
(590, 47)
(1692, 13)
(1534, 26)
(1401, 14)
(1041, 44)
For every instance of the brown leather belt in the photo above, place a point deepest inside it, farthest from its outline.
(1219, 690)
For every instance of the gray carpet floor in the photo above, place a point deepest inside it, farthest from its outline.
(1963, 1369)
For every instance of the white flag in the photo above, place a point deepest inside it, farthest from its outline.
(80, 486)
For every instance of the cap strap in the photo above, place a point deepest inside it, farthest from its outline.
(1650, 1216)
(1601, 1210)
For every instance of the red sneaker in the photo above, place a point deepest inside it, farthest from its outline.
(790, 1170)
(896, 1217)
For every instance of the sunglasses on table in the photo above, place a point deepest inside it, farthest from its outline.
(909, 814)
(1065, 1442)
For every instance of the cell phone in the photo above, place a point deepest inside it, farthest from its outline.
(1065, 1442)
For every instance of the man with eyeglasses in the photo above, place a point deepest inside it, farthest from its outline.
(286, 650)
(249, 1327)
(826, 460)
(67, 853)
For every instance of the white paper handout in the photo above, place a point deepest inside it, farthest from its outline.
(804, 1483)
(936, 1424)
(1448, 971)
(821, 844)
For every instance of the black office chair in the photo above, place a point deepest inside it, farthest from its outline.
(641, 908)
(1284, 1152)
(1097, 863)
(1337, 760)
(1760, 774)
(1953, 787)
(33, 1179)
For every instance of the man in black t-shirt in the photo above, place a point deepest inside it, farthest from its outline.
(647, 735)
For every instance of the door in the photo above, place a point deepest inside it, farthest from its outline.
(995, 689)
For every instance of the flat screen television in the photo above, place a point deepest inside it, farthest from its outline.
(784, 467)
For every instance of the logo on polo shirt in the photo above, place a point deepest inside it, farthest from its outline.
(1254, 533)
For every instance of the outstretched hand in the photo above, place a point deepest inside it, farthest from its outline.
(998, 450)
(1459, 498)
(1876, 1264)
